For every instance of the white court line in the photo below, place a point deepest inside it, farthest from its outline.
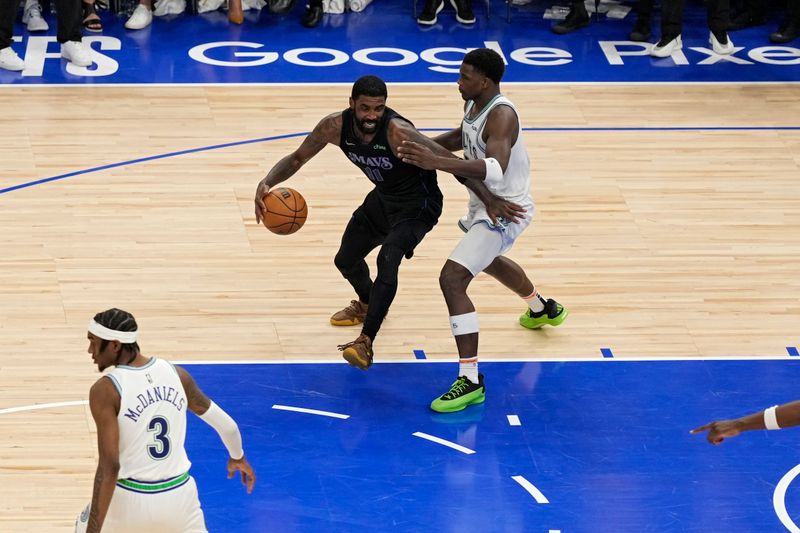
(513, 420)
(527, 485)
(443, 442)
(34, 407)
(779, 499)
(310, 411)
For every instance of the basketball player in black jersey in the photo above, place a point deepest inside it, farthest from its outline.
(404, 205)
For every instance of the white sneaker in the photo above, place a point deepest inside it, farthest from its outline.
(76, 53)
(32, 18)
(204, 6)
(169, 7)
(662, 49)
(140, 18)
(9, 60)
(718, 47)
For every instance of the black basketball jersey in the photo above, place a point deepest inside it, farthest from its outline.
(394, 180)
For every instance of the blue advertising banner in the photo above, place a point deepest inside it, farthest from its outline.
(384, 39)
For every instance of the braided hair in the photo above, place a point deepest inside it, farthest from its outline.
(119, 320)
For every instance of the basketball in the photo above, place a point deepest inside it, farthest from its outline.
(286, 211)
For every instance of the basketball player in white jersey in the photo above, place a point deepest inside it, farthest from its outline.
(496, 170)
(142, 483)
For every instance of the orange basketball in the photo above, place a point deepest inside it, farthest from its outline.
(286, 211)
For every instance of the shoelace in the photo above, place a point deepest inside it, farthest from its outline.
(34, 12)
(353, 306)
(456, 389)
(343, 347)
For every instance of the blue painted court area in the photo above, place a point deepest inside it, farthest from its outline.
(603, 446)
(384, 39)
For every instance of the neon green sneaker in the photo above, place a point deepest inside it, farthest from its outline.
(461, 395)
(553, 314)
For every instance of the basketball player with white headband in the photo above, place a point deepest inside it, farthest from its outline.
(775, 417)
(496, 170)
(142, 482)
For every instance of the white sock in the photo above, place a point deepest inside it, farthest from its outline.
(534, 301)
(469, 367)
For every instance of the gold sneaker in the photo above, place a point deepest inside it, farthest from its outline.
(352, 315)
(359, 352)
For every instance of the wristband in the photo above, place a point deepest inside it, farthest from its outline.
(770, 418)
(494, 172)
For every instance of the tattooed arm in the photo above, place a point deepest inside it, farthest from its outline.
(327, 131)
(223, 424)
(198, 401)
(104, 403)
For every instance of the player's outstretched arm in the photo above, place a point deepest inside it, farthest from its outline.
(776, 417)
(411, 145)
(328, 130)
(424, 155)
(223, 424)
(401, 130)
(450, 140)
(104, 404)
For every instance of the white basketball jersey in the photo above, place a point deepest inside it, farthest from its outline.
(516, 184)
(152, 421)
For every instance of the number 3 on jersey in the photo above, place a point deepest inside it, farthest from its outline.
(159, 425)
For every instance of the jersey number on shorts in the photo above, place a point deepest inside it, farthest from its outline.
(160, 449)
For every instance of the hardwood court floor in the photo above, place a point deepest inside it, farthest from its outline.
(662, 243)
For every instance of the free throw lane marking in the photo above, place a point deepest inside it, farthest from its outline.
(527, 485)
(310, 411)
(443, 442)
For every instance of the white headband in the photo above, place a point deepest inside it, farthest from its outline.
(125, 337)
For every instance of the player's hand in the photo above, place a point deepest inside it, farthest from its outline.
(416, 154)
(499, 208)
(261, 192)
(719, 430)
(242, 466)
